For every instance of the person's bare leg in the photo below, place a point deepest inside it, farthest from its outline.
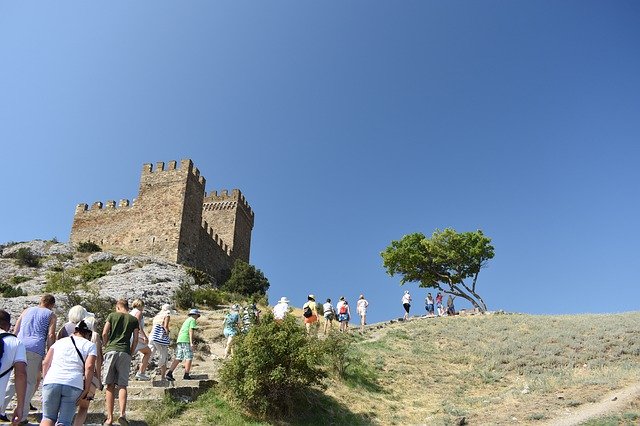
(146, 356)
(122, 400)
(187, 366)
(108, 402)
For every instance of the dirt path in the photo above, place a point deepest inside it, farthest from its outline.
(611, 403)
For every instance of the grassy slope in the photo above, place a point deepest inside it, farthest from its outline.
(490, 369)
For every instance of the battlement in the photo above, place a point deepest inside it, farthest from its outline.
(186, 165)
(225, 201)
(98, 206)
(172, 217)
(215, 237)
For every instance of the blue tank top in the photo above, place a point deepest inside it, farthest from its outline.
(34, 328)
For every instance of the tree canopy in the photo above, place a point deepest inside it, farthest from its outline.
(443, 261)
(246, 279)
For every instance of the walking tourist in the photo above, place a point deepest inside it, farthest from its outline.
(329, 315)
(344, 314)
(231, 325)
(406, 304)
(281, 309)
(36, 329)
(13, 363)
(68, 370)
(119, 328)
(76, 314)
(159, 338)
(310, 314)
(428, 304)
(439, 303)
(96, 382)
(361, 307)
(185, 346)
(143, 341)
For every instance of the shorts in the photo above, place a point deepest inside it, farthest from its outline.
(406, 306)
(429, 307)
(310, 320)
(362, 312)
(329, 316)
(184, 352)
(229, 332)
(163, 352)
(343, 317)
(59, 403)
(116, 367)
(141, 345)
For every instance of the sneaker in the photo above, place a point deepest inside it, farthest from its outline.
(187, 376)
(123, 421)
(142, 376)
(169, 376)
(4, 418)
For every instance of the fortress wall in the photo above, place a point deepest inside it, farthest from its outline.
(213, 253)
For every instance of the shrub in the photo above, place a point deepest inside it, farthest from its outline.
(210, 297)
(273, 365)
(88, 247)
(184, 296)
(95, 270)
(25, 257)
(62, 282)
(9, 291)
(335, 350)
(19, 279)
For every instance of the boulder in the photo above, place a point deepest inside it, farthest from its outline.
(101, 256)
(37, 247)
(60, 248)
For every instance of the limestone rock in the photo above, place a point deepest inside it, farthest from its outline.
(60, 248)
(101, 256)
(37, 247)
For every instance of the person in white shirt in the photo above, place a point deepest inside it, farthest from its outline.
(13, 362)
(329, 315)
(66, 362)
(361, 307)
(281, 309)
(406, 304)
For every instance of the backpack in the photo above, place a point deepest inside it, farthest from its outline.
(307, 312)
(343, 309)
(2, 336)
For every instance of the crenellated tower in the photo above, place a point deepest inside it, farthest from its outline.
(232, 218)
(171, 218)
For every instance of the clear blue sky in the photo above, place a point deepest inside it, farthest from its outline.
(346, 124)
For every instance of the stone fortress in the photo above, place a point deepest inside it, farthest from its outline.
(172, 218)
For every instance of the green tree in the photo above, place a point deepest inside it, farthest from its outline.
(246, 279)
(443, 261)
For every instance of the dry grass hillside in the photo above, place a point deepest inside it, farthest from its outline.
(491, 369)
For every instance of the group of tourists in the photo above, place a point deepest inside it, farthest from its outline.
(312, 311)
(77, 362)
(238, 320)
(433, 307)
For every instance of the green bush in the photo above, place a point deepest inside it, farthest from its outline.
(19, 279)
(335, 350)
(210, 297)
(95, 270)
(9, 291)
(25, 257)
(62, 282)
(88, 247)
(184, 296)
(272, 367)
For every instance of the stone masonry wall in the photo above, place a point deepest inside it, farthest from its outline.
(169, 219)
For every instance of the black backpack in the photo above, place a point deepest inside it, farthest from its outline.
(307, 312)
(2, 336)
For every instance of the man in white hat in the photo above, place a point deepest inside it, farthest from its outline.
(281, 309)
